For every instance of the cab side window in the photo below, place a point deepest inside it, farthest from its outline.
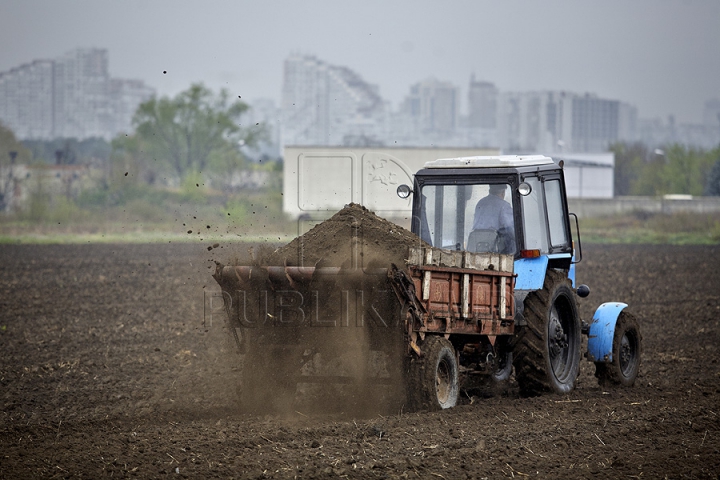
(533, 208)
(543, 214)
(556, 222)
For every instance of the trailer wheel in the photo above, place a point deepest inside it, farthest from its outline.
(547, 349)
(433, 378)
(626, 350)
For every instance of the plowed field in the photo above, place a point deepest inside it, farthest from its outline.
(107, 369)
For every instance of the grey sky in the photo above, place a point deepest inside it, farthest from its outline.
(662, 56)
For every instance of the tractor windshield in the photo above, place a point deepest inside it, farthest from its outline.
(477, 218)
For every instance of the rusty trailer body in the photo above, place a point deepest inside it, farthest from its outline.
(464, 293)
(460, 292)
(296, 325)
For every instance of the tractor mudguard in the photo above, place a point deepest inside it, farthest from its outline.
(530, 273)
(602, 331)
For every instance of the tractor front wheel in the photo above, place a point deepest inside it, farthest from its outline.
(624, 367)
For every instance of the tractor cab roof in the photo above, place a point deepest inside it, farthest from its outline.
(499, 161)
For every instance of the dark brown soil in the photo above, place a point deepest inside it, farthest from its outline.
(106, 369)
(353, 237)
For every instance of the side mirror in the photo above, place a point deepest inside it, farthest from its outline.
(403, 191)
(524, 189)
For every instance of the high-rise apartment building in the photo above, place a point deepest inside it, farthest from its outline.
(482, 104)
(124, 97)
(596, 123)
(27, 99)
(72, 96)
(530, 121)
(433, 106)
(562, 122)
(324, 104)
(81, 99)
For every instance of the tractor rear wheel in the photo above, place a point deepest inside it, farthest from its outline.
(547, 349)
(626, 348)
(433, 382)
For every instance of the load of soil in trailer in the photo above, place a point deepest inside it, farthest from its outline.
(352, 238)
(316, 321)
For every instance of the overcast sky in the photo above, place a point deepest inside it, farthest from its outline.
(661, 56)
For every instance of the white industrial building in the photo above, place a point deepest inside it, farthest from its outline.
(318, 181)
(588, 175)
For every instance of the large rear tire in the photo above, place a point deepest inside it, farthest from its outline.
(433, 378)
(547, 349)
(626, 350)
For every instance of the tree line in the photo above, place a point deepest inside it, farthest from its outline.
(673, 169)
(194, 132)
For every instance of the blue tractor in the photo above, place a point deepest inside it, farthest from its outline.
(517, 206)
(487, 286)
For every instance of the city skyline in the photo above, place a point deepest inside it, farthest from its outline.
(331, 105)
(658, 55)
(69, 96)
(463, 89)
(326, 104)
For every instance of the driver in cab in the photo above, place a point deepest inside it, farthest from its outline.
(493, 213)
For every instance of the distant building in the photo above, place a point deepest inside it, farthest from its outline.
(482, 104)
(27, 99)
(319, 181)
(433, 106)
(429, 117)
(563, 121)
(71, 96)
(596, 123)
(82, 107)
(656, 132)
(324, 104)
(588, 175)
(531, 121)
(124, 97)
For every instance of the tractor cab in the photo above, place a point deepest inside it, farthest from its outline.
(503, 204)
